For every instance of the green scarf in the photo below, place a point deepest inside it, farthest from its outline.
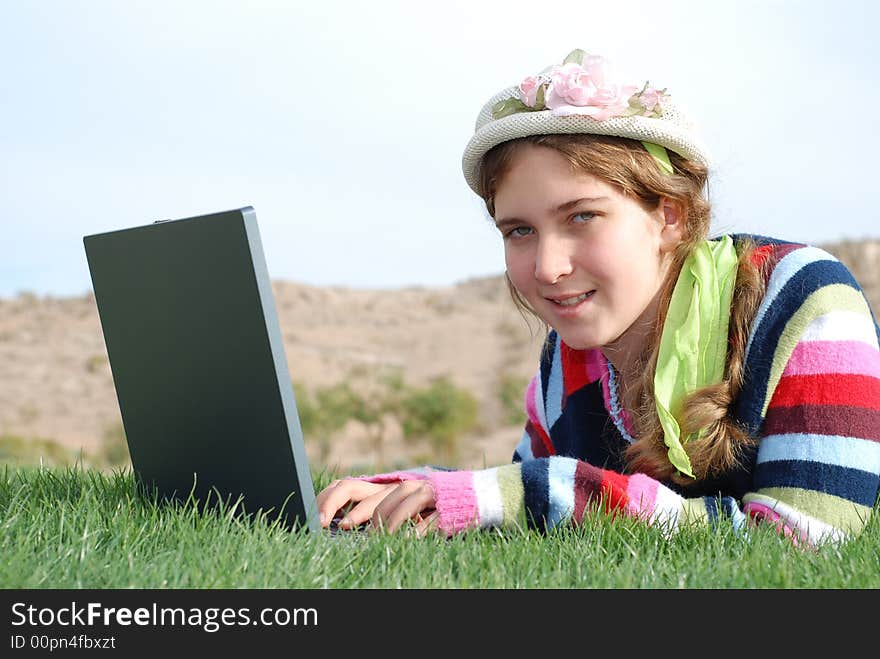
(693, 345)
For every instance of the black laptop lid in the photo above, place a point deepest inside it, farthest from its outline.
(198, 363)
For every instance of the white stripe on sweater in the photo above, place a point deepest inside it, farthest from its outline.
(841, 325)
(849, 452)
(667, 509)
(489, 497)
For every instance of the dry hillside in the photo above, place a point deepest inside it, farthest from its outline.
(56, 380)
(56, 384)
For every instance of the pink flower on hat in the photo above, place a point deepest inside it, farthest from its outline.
(651, 98)
(581, 85)
(585, 89)
(529, 90)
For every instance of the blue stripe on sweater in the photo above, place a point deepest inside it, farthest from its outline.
(711, 510)
(851, 484)
(850, 452)
(560, 489)
(724, 509)
(536, 488)
(732, 511)
(554, 388)
(811, 278)
(523, 451)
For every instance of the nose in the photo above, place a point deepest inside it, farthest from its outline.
(553, 260)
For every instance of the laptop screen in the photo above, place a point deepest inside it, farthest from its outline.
(198, 363)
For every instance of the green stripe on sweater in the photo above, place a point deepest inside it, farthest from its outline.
(693, 511)
(512, 497)
(839, 513)
(834, 297)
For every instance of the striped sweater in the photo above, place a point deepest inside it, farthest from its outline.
(811, 396)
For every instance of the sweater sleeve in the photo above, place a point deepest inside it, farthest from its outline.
(814, 399)
(541, 490)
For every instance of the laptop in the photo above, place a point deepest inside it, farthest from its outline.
(195, 350)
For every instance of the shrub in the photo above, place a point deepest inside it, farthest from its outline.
(328, 409)
(441, 412)
(511, 393)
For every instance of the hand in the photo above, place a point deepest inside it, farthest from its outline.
(387, 506)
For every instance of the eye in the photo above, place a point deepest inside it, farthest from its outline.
(585, 216)
(517, 232)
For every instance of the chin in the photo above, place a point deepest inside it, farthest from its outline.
(579, 342)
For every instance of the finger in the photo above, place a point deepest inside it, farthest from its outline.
(403, 507)
(334, 498)
(330, 500)
(427, 525)
(322, 495)
(408, 510)
(390, 502)
(327, 489)
(362, 512)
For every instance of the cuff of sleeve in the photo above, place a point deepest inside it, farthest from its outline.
(455, 501)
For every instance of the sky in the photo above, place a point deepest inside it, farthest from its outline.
(343, 122)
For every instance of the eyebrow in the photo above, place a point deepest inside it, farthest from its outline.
(568, 205)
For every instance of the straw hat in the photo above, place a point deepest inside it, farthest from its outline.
(580, 96)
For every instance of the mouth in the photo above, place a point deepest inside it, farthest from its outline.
(572, 300)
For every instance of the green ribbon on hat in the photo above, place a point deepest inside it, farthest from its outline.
(660, 155)
(693, 344)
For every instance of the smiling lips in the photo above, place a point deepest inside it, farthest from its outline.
(572, 300)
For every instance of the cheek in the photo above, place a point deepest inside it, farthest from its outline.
(520, 266)
(599, 262)
(634, 249)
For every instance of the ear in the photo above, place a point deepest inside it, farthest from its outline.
(672, 231)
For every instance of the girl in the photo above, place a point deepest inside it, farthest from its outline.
(683, 379)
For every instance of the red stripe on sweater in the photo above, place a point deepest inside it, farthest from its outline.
(824, 420)
(587, 485)
(780, 251)
(828, 389)
(574, 369)
(760, 255)
(614, 490)
(541, 445)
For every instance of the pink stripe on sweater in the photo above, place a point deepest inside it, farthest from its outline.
(531, 410)
(596, 365)
(761, 512)
(455, 500)
(815, 357)
(641, 493)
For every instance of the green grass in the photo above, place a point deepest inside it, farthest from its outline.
(69, 527)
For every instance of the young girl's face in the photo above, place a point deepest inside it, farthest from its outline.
(589, 260)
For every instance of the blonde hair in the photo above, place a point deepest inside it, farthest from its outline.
(628, 166)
